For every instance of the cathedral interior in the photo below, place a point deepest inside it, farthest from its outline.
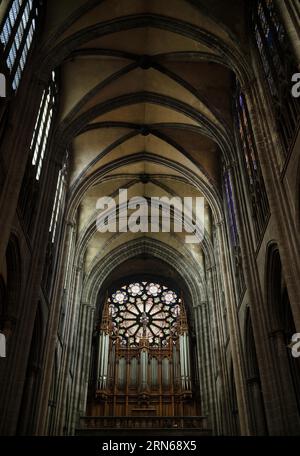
(137, 331)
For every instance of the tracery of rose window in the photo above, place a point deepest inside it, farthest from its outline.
(144, 310)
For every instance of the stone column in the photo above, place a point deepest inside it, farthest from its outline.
(68, 240)
(205, 356)
(87, 329)
(68, 345)
(218, 355)
(233, 324)
(290, 13)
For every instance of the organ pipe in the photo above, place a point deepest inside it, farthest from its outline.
(185, 365)
(144, 369)
(155, 373)
(100, 360)
(103, 350)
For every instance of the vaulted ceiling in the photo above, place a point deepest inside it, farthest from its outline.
(145, 104)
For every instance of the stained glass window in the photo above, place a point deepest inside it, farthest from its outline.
(144, 310)
(234, 236)
(16, 36)
(231, 209)
(255, 183)
(279, 64)
(57, 205)
(29, 194)
(43, 124)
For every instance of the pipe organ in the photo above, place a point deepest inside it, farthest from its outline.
(142, 362)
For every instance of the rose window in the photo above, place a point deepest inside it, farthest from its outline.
(144, 310)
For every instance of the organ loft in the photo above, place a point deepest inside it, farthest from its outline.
(142, 356)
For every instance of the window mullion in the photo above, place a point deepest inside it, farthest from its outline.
(22, 44)
(244, 144)
(42, 132)
(257, 195)
(269, 58)
(44, 145)
(38, 123)
(252, 147)
(58, 206)
(274, 32)
(14, 28)
(55, 203)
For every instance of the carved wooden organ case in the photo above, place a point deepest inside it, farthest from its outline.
(142, 362)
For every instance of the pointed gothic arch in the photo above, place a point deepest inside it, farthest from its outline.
(282, 327)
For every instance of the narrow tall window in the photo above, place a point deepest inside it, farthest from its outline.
(42, 126)
(254, 179)
(40, 138)
(234, 236)
(57, 204)
(17, 34)
(55, 222)
(231, 210)
(278, 64)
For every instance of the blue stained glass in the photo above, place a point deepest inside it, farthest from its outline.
(8, 29)
(231, 209)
